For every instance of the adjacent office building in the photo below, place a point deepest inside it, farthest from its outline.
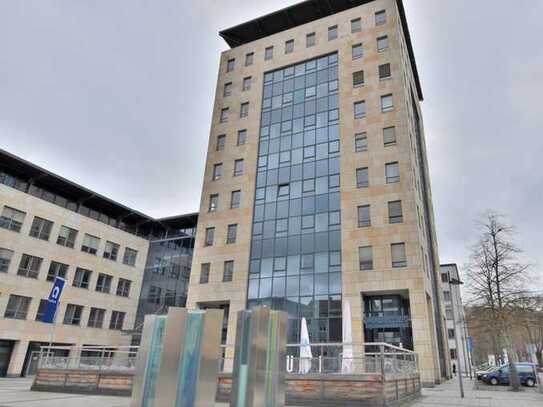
(455, 317)
(316, 187)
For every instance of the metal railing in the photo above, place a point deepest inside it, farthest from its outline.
(100, 358)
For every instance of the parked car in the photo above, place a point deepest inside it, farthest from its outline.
(526, 372)
(479, 373)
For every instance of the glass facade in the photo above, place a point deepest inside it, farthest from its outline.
(387, 318)
(295, 261)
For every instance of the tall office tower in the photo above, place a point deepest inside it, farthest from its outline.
(316, 187)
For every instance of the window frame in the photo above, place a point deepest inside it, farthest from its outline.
(360, 137)
(364, 223)
(365, 265)
(363, 184)
(332, 29)
(228, 271)
(398, 263)
(41, 228)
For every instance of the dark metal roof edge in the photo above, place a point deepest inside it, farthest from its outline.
(449, 264)
(174, 217)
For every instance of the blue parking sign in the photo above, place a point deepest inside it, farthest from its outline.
(53, 301)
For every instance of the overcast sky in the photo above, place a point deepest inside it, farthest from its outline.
(117, 96)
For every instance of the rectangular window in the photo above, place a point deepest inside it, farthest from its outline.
(397, 251)
(362, 178)
(29, 266)
(356, 25)
(231, 234)
(73, 313)
(66, 237)
(204, 273)
(154, 294)
(360, 142)
(268, 53)
(358, 51)
(364, 219)
(209, 236)
(332, 33)
(12, 219)
(90, 244)
(17, 307)
(395, 214)
(82, 278)
(380, 17)
(217, 172)
(41, 310)
(449, 313)
(387, 103)
(382, 43)
(235, 199)
(451, 333)
(238, 168)
(310, 40)
(365, 258)
(392, 172)
(358, 79)
(96, 317)
(227, 89)
(117, 320)
(123, 287)
(224, 115)
(57, 269)
(213, 202)
(242, 137)
(389, 136)
(289, 46)
(247, 83)
(360, 109)
(5, 259)
(41, 228)
(130, 256)
(447, 295)
(384, 72)
(221, 141)
(284, 189)
(230, 65)
(249, 58)
(228, 272)
(103, 284)
(111, 251)
(244, 110)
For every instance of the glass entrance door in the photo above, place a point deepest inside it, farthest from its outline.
(6, 348)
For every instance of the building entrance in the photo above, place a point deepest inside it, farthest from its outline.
(6, 347)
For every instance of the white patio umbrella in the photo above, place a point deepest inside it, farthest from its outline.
(305, 349)
(347, 335)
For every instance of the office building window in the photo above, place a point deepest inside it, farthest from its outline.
(41, 310)
(242, 137)
(230, 65)
(289, 46)
(453, 353)
(111, 251)
(231, 234)
(358, 79)
(244, 110)
(392, 172)
(447, 296)
(209, 236)
(41, 228)
(235, 199)
(397, 251)
(57, 269)
(356, 25)
(247, 83)
(449, 313)
(82, 278)
(217, 172)
(360, 109)
(362, 177)
(29, 266)
(358, 51)
(310, 40)
(221, 141)
(130, 256)
(117, 320)
(96, 317)
(224, 115)
(204, 273)
(90, 244)
(66, 237)
(238, 167)
(5, 259)
(389, 136)
(73, 313)
(395, 214)
(227, 89)
(380, 17)
(364, 219)
(268, 53)
(365, 258)
(123, 287)
(332, 33)
(103, 284)
(382, 43)
(384, 72)
(360, 142)
(249, 58)
(17, 307)
(12, 219)
(228, 272)
(213, 202)
(451, 333)
(154, 294)
(387, 103)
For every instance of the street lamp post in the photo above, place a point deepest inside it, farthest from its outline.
(454, 281)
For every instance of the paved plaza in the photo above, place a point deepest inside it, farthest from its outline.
(16, 393)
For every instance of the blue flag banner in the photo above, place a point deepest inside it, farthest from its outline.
(470, 344)
(53, 301)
